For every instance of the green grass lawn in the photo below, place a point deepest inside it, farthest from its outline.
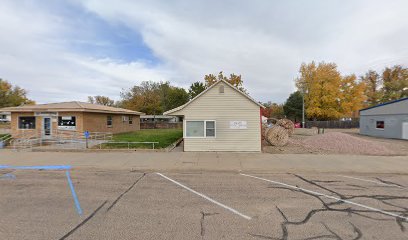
(165, 137)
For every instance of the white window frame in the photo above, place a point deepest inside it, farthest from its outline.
(205, 128)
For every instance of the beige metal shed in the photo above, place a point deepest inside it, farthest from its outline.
(221, 118)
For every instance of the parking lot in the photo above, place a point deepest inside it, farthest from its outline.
(130, 204)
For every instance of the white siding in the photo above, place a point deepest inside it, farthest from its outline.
(223, 108)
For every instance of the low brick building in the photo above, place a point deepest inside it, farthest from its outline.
(45, 120)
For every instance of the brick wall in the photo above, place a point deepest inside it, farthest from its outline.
(97, 122)
(93, 122)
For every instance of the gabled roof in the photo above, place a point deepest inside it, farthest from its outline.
(74, 106)
(206, 90)
(383, 104)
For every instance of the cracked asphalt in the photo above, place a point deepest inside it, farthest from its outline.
(125, 204)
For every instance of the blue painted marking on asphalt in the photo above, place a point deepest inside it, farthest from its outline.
(50, 167)
(76, 201)
(8, 176)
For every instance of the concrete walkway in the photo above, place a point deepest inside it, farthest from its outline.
(205, 161)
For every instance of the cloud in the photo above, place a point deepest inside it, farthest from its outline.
(265, 41)
(37, 54)
(89, 47)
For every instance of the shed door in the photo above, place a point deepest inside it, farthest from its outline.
(405, 130)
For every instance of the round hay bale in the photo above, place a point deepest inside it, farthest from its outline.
(264, 129)
(287, 124)
(277, 136)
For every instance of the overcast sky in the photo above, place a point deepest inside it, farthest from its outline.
(68, 50)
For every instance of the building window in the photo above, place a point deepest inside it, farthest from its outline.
(109, 121)
(26, 122)
(379, 124)
(67, 122)
(200, 129)
(130, 119)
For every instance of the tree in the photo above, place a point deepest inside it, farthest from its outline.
(352, 96)
(395, 83)
(277, 111)
(273, 110)
(101, 100)
(195, 89)
(144, 98)
(267, 111)
(293, 107)
(320, 85)
(12, 96)
(153, 98)
(372, 91)
(172, 97)
(234, 80)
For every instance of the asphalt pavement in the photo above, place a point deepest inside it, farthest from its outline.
(135, 204)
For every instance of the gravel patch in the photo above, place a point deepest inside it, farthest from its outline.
(338, 142)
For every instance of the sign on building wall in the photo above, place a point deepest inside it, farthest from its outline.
(46, 114)
(238, 124)
(67, 122)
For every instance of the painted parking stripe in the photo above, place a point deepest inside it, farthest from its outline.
(74, 195)
(205, 197)
(328, 196)
(52, 167)
(373, 181)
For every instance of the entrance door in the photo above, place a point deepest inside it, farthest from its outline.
(405, 130)
(46, 133)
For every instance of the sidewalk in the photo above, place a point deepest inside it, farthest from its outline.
(211, 161)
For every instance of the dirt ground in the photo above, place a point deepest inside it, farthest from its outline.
(296, 145)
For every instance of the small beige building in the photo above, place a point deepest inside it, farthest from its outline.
(45, 120)
(221, 118)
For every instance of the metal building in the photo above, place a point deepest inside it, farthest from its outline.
(387, 120)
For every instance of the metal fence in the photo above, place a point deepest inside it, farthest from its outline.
(355, 123)
(160, 125)
(125, 145)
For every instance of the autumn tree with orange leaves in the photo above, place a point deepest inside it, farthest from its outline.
(329, 95)
(233, 79)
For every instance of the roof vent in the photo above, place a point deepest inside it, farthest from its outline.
(221, 89)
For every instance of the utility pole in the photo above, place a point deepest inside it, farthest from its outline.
(303, 110)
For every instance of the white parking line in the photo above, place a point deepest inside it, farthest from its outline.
(368, 180)
(328, 196)
(205, 197)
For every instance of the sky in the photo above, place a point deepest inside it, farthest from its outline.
(68, 50)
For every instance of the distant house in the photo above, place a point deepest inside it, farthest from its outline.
(388, 120)
(159, 118)
(5, 116)
(221, 118)
(44, 120)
